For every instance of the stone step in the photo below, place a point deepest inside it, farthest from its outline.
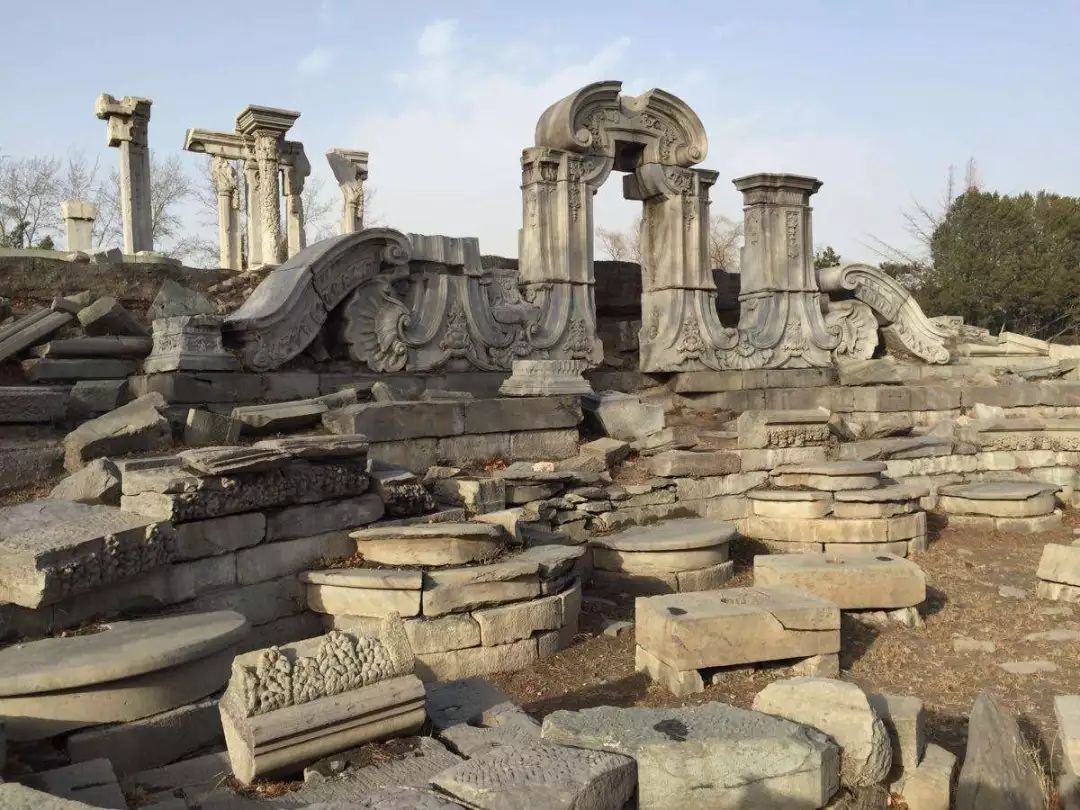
(867, 581)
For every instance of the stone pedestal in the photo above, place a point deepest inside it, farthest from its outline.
(79, 217)
(350, 168)
(189, 343)
(533, 378)
(128, 121)
(781, 320)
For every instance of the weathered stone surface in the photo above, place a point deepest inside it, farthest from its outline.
(169, 494)
(453, 590)
(612, 451)
(521, 413)
(719, 486)
(151, 741)
(930, 785)
(516, 777)
(391, 421)
(174, 300)
(842, 711)
(412, 761)
(97, 482)
(280, 417)
(31, 403)
(106, 317)
(998, 771)
(399, 798)
(93, 783)
(1067, 711)
(363, 592)
(472, 715)
(127, 671)
(736, 626)
(622, 416)
(831, 476)
(854, 582)
(89, 398)
(905, 722)
(14, 796)
(689, 463)
(325, 516)
(708, 756)
(207, 429)
(434, 544)
(787, 503)
(216, 461)
(110, 346)
(51, 549)
(796, 428)
(135, 427)
(507, 623)
(998, 499)
(477, 495)
(272, 560)
(1060, 564)
(29, 464)
(465, 663)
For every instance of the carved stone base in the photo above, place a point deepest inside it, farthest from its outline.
(681, 331)
(189, 343)
(533, 378)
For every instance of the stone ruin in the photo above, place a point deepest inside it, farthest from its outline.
(317, 517)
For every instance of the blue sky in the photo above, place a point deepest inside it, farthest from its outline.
(875, 98)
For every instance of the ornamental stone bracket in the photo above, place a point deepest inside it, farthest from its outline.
(897, 312)
(350, 168)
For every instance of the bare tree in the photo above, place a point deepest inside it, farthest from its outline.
(319, 222)
(725, 237)
(622, 246)
(29, 199)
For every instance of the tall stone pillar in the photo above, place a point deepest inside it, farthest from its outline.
(254, 218)
(128, 122)
(266, 127)
(296, 170)
(79, 217)
(350, 168)
(781, 307)
(228, 203)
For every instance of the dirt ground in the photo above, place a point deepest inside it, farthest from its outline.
(964, 570)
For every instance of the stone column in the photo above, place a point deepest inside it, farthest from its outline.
(350, 168)
(296, 170)
(780, 303)
(128, 120)
(228, 203)
(254, 220)
(79, 217)
(266, 128)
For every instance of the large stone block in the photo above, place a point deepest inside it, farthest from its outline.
(905, 721)
(390, 421)
(842, 711)
(508, 623)
(1060, 564)
(521, 413)
(364, 591)
(132, 428)
(708, 756)
(760, 429)
(431, 544)
(707, 629)
(466, 663)
(280, 417)
(50, 369)
(453, 590)
(623, 416)
(542, 445)
(31, 403)
(998, 772)
(326, 516)
(52, 549)
(273, 560)
(688, 463)
(854, 582)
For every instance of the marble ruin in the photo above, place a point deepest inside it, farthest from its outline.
(273, 532)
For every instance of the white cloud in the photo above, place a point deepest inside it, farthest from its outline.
(315, 63)
(437, 39)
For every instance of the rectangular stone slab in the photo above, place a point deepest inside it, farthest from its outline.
(705, 629)
(1060, 564)
(391, 421)
(855, 582)
(106, 346)
(335, 600)
(31, 403)
(51, 549)
(521, 413)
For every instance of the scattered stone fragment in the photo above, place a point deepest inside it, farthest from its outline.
(690, 463)
(97, 482)
(435, 544)
(930, 785)
(905, 721)
(830, 476)
(622, 416)
(232, 460)
(841, 710)
(173, 300)
(617, 629)
(1003, 499)
(106, 317)
(14, 796)
(93, 782)
(999, 770)
(352, 446)
(965, 644)
(280, 417)
(400, 490)
(207, 429)
(612, 451)
(1011, 592)
(1028, 667)
(135, 427)
(1056, 636)
(473, 715)
(542, 777)
(1067, 711)
(712, 755)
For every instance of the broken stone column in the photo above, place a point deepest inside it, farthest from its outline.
(350, 168)
(296, 169)
(228, 199)
(79, 216)
(128, 122)
(266, 127)
(781, 322)
(254, 217)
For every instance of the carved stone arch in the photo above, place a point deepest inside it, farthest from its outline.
(286, 311)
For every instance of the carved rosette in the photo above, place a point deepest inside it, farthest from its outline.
(894, 306)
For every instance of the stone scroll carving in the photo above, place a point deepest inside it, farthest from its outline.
(858, 329)
(895, 307)
(286, 311)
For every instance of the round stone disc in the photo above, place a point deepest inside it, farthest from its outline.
(672, 535)
(886, 494)
(120, 650)
(788, 495)
(999, 490)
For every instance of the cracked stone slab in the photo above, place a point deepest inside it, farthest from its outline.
(541, 777)
(472, 715)
(708, 756)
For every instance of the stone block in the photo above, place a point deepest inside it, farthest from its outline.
(152, 741)
(455, 631)
(1060, 564)
(106, 317)
(280, 417)
(521, 413)
(477, 495)
(1067, 712)
(715, 486)
(711, 755)
(842, 711)
(209, 538)
(543, 445)
(770, 458)
(207, 429)
(273, 560)
(261, 603)
(454, 590)
(28, 404)
(466, 663)
(434, 544)
(707, 629)
(905, 721)
(326, 516)
(363, 591)
(783, 504)
(831, 476)
(622, 416)
(930, 785)
(97, 482)
(687, 463)
(473, 448)
(541, 776)
(761, 429)
(54, 549)
(415, 455)
(508, 623)
(1007, 499)
(59, 370)
(612, 451)
(473, 715)
(997, 769)
(390, 421)
(283, 386)
(853, 582)
(840, 551)
(201, 388)
(135, 427)
(86, 784)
